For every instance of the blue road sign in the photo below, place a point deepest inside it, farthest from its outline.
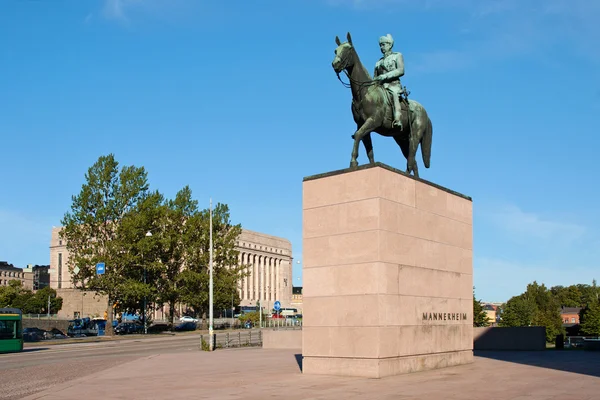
(100, 268)
(277, 305)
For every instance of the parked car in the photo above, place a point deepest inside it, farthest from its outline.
(129, 327)
(187, 318)
(57, 334)
(34, 334)
(186, 326)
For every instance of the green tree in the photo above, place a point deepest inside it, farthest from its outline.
(9, 293)
(590, 319)
(91, 228)
(172, 244)
(16, 295)
(537, 306)
(39, 301)
(139, 290)
(194, 280)
(480, 317)
(569, 296)
(517, 311)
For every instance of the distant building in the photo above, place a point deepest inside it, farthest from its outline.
(491, 311)
(9, 272)
(570, 315)
(270, 265)
(297, 298)
(40, 275)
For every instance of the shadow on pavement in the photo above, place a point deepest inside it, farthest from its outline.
(576, 361)
(299, 360)
(30, 349)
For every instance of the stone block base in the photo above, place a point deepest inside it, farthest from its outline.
(388, 274)
(382, 367)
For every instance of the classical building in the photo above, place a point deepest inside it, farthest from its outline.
(9, 272)
(270, 265)
(269, 260)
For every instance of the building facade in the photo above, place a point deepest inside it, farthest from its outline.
(570, 315)
(9, 272)
(297, 298)
(269, 261)
(40, 275)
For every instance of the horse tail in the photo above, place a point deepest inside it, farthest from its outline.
(426, 143)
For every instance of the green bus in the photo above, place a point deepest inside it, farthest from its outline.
(11, 330)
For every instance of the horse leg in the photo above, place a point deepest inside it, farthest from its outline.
(411, 164)
(366, 128)
(368, 143)
(403, 143)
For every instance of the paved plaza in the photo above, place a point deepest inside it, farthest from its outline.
(264, 373)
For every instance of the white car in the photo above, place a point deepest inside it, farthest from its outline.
(187, 318)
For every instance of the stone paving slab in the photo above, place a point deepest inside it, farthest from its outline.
(274, 373)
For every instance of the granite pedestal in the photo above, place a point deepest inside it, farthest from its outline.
(388, 274)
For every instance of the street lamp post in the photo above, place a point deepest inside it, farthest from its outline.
(148, 234)
(210, 284)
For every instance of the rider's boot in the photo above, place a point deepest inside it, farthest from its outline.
(397, 113)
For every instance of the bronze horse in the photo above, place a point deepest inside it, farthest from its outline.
(372, 112)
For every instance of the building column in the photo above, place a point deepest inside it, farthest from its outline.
(254, 277)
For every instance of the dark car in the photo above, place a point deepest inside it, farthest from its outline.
(129, 327)
(186, 326)
(57, 334)
(34, 334)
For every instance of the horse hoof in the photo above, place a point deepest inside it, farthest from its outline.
(353, 164)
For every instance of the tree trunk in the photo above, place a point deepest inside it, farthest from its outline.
(108, 331)
(204, 323)
(171, 313)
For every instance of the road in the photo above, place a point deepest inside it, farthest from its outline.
(39, 367)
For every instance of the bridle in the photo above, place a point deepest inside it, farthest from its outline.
(344, 61)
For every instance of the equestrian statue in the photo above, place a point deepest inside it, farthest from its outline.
(380, 104)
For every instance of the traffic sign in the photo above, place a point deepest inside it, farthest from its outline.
(100, 268)
(277, 305)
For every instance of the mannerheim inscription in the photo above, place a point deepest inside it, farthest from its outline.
(444, 316)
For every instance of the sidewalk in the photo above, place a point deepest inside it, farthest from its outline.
(259, 373)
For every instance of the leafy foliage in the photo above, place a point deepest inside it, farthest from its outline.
(590, 315)
(92, 228)
(579, 295)
(535, 307)
(15, 295)
(156, 250)
(194, 279)
(590, 319)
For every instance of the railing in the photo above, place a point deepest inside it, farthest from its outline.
(227, 340)
(40, 316)
(282, 323)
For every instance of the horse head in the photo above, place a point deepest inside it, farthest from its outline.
(344, 55)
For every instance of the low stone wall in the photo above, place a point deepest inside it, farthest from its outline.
(282, 338)
(593, 345)
(509, 338)
(46, 324)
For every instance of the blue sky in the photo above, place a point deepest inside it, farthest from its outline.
(238, 99)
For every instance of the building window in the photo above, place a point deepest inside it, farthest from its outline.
(59, 270)
(573, 319)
